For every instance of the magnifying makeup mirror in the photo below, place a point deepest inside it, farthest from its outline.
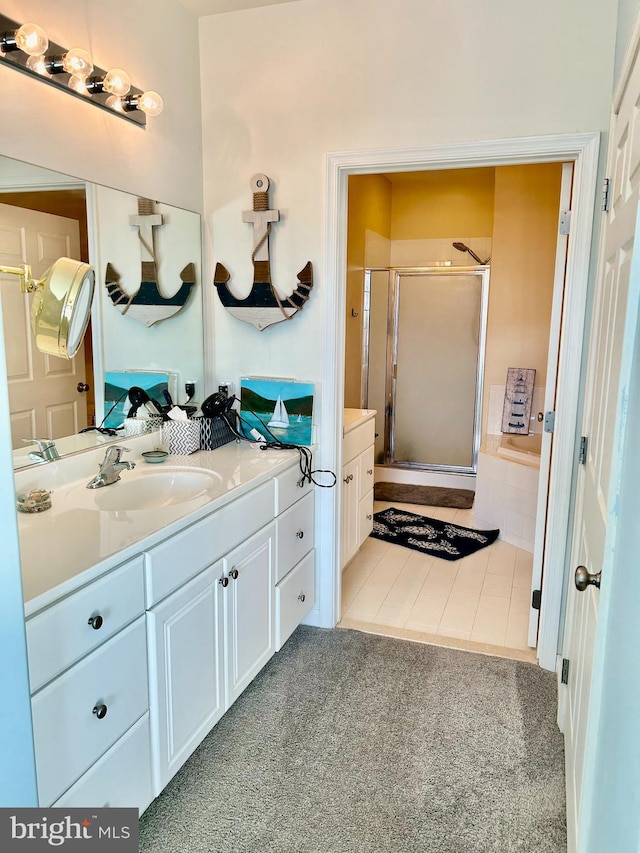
(61, 304)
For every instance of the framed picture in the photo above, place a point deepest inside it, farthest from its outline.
(116, 389)
(277, 408)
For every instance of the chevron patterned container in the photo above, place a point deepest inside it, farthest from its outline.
(181, 437)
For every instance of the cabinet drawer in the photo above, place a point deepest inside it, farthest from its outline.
(68, 735)
(356, 441)
(365, 517)
(63, 634)
(295, 596)
(366, 471)
(186, 554)
(294, 535)
(120, 779)
(288, 488)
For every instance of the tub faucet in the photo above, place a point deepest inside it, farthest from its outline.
(47, 450)
(109, 471)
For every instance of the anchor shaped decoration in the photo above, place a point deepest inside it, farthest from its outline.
(148, 305)
(263, 306)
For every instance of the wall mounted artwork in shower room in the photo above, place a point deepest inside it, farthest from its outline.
(518, 397)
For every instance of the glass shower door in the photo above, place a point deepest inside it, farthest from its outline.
(437, 371)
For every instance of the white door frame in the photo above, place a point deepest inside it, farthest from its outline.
(580, 148)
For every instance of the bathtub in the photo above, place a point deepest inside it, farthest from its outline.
(507, 487)
(524, 449)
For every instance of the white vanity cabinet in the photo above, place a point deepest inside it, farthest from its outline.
(131, 670)
(357, 483)
(88, 673)
(212, 636)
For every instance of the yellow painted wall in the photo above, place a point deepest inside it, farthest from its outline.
(525, 234)
(369, 203)
(455, 202)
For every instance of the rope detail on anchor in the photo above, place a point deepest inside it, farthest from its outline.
(261, 201)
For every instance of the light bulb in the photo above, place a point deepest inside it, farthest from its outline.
(38, 64)
(116, 82)
(115, 102)
(150, 103)
(77, 62)
(32, 39)
(78, 84)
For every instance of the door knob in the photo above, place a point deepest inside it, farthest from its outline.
(584, 579)
(82, 387)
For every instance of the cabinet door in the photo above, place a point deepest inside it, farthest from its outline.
(248, 610)
(367, 469)
(365, 517)
(185, 640)
(350, 510)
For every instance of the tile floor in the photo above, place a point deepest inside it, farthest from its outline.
(482, 599)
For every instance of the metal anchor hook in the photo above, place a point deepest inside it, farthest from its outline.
(148, 305)
(263, 306)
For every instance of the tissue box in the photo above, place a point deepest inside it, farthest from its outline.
(141, 426)
(181, 437)
(214, 432)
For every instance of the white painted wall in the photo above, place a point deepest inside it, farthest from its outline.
(157, 45)
(284, 85)
(43, 126)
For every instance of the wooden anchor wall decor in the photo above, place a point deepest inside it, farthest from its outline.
(148, 305)
(263, 307)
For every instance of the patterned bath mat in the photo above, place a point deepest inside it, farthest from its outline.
(429, 535)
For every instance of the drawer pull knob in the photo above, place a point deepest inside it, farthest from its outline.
(302, 596)
(95, 622)
(233, 574)
(369, 470)
(224, 581)
(348, 478)
(369, 517)
(100, 711)
(300, 534)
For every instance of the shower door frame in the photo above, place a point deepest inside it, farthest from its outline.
(393, 306)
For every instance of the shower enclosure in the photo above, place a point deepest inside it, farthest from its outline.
(422, 364)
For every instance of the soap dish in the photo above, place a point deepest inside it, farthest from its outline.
(37, 500)
(155, 456)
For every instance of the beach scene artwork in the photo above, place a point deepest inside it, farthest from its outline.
(282, 407)
(116, 389)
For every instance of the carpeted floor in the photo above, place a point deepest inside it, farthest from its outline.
(354, 743)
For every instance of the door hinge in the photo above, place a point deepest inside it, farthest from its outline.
(564, 676)
(565, 221)
(584, 443)
(536, 598)
(606, 195)
(549, 421)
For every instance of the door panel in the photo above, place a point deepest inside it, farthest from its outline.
(43, 396)
(599, 480)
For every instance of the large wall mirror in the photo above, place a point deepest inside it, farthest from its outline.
(45, 215)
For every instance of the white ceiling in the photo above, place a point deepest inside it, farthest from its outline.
(201, 8)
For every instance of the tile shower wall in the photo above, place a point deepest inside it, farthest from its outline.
(506, 498)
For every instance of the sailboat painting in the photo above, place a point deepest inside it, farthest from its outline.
(280, 409)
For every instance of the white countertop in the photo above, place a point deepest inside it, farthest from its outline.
(353, 418)
(69, 545)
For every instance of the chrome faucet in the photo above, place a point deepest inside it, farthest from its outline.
(109, 471)
(47, 450)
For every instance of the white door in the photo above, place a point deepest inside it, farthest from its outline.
(599, 479)
(544, 508)
(44, 399)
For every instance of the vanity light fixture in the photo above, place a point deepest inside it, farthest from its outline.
(27, 48)
(61, 304)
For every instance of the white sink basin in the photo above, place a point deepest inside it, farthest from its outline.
(149, 490)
